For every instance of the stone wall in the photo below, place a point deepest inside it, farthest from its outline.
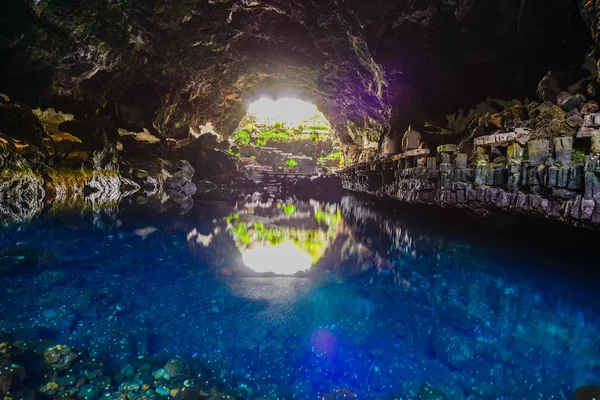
(506, 171)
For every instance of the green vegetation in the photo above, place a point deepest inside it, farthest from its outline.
(242, 138)
(336, 155)
(231, 153)
(291, 163)
(578, 156)
(317, 128)
(278, 132)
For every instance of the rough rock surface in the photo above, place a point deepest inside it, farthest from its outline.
(369, 66)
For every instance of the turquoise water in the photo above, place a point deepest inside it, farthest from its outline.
(303, 299)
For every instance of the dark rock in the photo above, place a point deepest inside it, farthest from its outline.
(462, 160)
(539, 151)
(563, 177)
(574, 118)
(552, 176)
(563, 149)
(591, 107)
(592, 186)
(575, 177)
(587, 209)
(568, 101)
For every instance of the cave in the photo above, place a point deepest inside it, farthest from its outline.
(267, 199)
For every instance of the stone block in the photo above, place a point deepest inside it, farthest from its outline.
(515, 152)
(461, 196)
(445, 168)
(595, 143)
(552, 176)
(563, 177)
(576, 207)
(471, 194)
(514, 168)
(592, 186)
(446, 148)
(568, 101)
(563, 194)
(575, 177)
(480, 172)
(532, 176)
(563, 149)
(431, 164)
(521, 201)
(587, 209)
(481, 193)
(587, 132)
(553, 209)
(499, 176)
(462, 160)
(445, 158)
(496, 139)
(592, 120)
(539, 151)
(541, 175)
(514, 182)
(535, 201)
(596, 215)
(489, 176)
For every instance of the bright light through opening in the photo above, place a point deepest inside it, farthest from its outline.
(282, 259)
(288, 111)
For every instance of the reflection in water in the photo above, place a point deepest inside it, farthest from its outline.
(379, 309)
(284, 258)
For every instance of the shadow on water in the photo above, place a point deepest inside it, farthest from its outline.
(279, 297)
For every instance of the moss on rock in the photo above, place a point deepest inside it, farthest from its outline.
(550, 123)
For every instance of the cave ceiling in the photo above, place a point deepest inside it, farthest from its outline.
(369, 65)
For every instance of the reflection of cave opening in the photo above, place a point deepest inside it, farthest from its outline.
(286, 135)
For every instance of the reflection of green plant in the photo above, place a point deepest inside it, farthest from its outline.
(289, 209)
(242, 138)
(291, 163)
(312, 241)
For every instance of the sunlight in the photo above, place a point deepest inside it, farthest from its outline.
(288, 111)
(282, 259)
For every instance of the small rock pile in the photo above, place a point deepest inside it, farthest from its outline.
(68, 375)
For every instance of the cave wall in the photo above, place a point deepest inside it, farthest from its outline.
(370, 67)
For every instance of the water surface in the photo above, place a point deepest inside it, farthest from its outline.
(305, 299)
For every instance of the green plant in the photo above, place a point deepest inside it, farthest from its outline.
(260, 142)
(317, 127)
(291, 163)
(578, 156)
(278, 125)
(242, 138)
(231, 153)
(301, 127)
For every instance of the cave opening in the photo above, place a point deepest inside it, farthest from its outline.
(285, 134)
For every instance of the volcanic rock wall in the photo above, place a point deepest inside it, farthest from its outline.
(539, 176)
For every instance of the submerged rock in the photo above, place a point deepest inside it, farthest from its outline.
(11, 375)
(21, 261)
(59, 357)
